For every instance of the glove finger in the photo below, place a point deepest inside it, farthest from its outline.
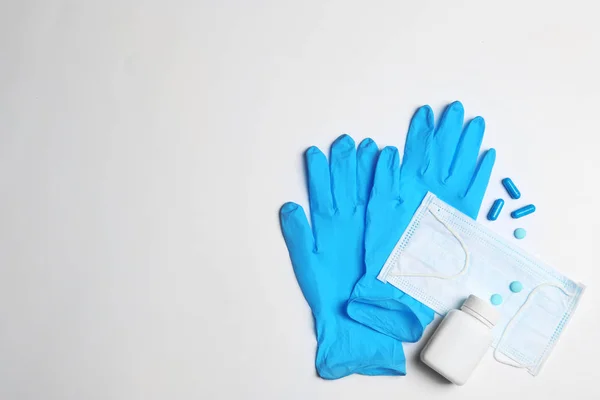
(480, 181)
(343, 172)
(296, 231)
(366, 160)
(319, 186)
(299, 240)
(446, 138)
(386, 184)
(465, 159)
(418, 142)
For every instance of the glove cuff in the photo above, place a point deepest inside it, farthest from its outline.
(388, 310)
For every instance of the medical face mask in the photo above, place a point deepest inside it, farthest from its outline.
(444, 256)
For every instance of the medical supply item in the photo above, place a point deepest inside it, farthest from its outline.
(444, 256)
(495, 210)
(516, 286)
(442, 159)
(520, 233)
(523, 211)
(462, 339)
(496, 299)
(511, 188)
(328, 259)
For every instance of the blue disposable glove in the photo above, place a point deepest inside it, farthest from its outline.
(328, 260)
(441, 161)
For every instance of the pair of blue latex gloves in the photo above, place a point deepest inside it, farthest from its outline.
(361, 201)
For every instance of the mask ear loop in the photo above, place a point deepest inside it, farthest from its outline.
(513, 319)
(462, 244)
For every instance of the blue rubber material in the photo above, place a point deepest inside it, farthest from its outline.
(442, 158)
(328, 259)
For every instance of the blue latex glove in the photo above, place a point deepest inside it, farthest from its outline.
(328, 260)
(441, 161)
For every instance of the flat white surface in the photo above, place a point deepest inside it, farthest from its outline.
(146, 147)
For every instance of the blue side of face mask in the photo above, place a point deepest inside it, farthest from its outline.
(440, 160)
(328, 260)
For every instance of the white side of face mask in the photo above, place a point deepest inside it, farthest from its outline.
(444, 256)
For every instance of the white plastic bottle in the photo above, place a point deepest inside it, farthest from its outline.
(461, 340)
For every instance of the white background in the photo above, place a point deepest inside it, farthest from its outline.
(146, 147)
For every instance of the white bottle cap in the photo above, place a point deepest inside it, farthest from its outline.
(482, 310)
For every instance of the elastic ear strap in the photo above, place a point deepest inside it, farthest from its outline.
(462, 244)
(513, 319)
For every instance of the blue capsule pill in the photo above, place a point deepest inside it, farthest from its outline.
(495, 210)
(523, 211)
(511, 188)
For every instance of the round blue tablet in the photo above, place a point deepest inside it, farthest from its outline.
(520, 233)
(516, 287)
(496, 299)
